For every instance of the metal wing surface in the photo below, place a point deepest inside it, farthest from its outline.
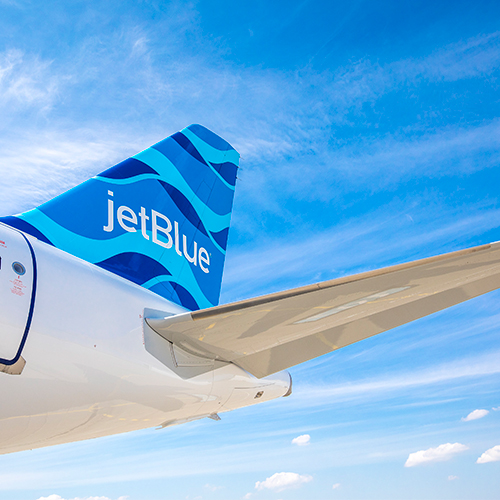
(271, 333)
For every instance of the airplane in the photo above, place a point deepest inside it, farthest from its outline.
(109, 303)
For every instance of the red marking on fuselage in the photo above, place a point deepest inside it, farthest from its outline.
(17, 289)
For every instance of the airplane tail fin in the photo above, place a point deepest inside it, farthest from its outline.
(159, 219)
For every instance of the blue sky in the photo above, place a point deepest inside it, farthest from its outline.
(369, 133)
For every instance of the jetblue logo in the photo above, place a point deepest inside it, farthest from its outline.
(129, 221)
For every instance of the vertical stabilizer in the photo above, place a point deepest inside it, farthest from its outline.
(159, 219)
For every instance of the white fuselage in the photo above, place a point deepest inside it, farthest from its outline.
(87, 372)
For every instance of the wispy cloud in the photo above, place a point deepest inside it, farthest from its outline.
(282, 481)
(440, 454)
(58, 497)
(475, 415)
(25, 81)
(288, 134)
(468, 148)
(365, 80)
(12, 3)
(213, 487)
(281, 142)
(36, 168)
(351, 246)
(316, 162)
(452, 478)
(487, 364)
(478, 55)
(335, 486)
(491, 455)
(371, 164)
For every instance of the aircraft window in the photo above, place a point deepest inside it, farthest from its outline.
(18, 268)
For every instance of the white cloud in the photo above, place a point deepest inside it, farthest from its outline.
(491, 455)
(282, 261)
(303, 440)
(247, 496)
(440, 454)
(335, 486)
(496, 408)
(474, 415)
(283, 480)
(452, 478)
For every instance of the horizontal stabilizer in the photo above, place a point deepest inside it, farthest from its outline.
(268, 334)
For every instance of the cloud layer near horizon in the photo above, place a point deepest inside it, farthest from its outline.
(58, 497)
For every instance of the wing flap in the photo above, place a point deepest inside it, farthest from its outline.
(277, 331)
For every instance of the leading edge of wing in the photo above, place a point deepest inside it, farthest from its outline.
(273, 332)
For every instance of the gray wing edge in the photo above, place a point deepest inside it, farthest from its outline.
(273, 332)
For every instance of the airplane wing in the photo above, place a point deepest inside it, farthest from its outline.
(267, 334)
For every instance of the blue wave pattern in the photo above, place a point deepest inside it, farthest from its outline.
(159, 219)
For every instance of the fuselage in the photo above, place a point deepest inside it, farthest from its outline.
(82, 369)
